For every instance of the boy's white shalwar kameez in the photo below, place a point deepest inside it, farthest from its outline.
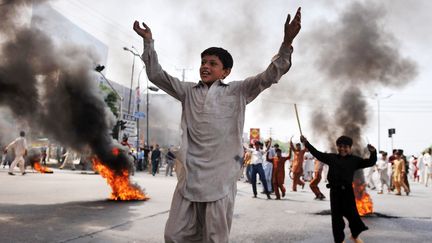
(211, 152)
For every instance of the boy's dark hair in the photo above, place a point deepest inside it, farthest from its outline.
(223, 55)
(22, 133)
(278, 151)
(344, 140)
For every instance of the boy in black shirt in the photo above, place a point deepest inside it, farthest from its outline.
(340, 176)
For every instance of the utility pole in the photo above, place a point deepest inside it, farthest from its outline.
(183, 71)
(378, 98)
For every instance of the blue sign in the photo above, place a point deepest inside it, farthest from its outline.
(139, 114)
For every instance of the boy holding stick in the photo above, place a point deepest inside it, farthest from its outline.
(340, 177)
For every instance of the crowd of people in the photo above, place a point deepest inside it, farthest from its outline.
(146, 158)
(390, 173)
(394, 172)
(269, 163)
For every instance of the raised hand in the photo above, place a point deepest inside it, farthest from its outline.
(293, 28)
(303, 139)
(371, 148)
(145, 32)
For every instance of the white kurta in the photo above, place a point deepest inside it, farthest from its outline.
(212, 124)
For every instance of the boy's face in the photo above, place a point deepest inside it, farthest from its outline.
(343, 149)
(212, 69)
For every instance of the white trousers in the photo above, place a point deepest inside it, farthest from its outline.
(202, 222)
(384, 180)
(20, 161)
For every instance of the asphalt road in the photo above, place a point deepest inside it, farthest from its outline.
(69, 206)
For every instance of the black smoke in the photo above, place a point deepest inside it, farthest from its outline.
(52, 87)
(356, 56)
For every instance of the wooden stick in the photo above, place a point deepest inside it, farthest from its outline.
(298, 120)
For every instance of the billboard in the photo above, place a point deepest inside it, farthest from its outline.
(254, 135)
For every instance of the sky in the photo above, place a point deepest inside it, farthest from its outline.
(329, 59)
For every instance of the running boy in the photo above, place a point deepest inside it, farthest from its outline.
(210, 157)
(340, 176)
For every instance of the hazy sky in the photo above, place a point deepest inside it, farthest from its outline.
(253, 30)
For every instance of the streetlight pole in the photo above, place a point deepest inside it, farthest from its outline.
(147, 115)
(378, 98)
(135, 54)
(152, 88)
(133, 68)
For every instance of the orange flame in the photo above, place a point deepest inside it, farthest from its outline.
(363, 200)
(122, 189)
(42, 169)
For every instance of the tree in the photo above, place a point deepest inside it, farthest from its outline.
(110, 99)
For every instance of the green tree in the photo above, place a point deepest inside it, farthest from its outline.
(111, 99)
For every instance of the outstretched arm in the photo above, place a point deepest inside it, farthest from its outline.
(291, 144)
(155, 73)
(268, 144)
(323, 157)
(293, 28)
(280, 64)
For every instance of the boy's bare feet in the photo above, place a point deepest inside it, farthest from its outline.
(356, 240)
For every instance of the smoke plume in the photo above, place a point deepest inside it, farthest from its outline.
(53, 87)
(356, 55)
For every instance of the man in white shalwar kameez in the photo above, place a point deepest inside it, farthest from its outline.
(19, 145)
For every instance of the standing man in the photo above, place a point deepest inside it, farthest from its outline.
(268, 165)
(19, 145)
(170, 158)
(278, 176)
(369, 177)
(406, 163)
(427, 159)
(297, 165)
(69, 159)
(318, 168)
(155, 159)
(146, 157)
(211, 154)
(257, 168)
(247, 162)
(399, 172)
(382, 167)
(308, 166)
